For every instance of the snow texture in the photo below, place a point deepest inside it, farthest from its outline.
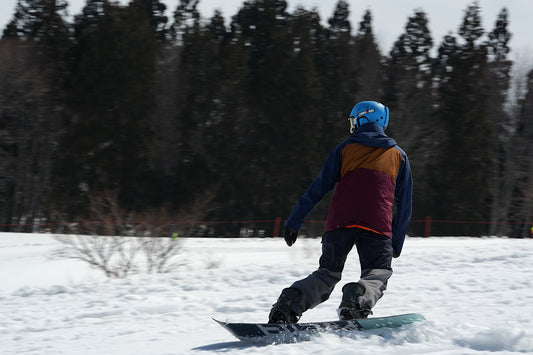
(476, 294)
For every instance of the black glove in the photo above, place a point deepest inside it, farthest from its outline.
(395, 254)
(289, 235)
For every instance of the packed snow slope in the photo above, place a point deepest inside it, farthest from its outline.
(476, 294)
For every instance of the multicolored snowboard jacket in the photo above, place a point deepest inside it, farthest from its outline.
(371, 173)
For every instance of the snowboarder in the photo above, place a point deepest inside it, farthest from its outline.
(372, 174)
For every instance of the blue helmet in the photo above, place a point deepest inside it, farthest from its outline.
(367, 112)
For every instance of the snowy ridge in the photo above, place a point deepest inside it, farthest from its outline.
(476, 294)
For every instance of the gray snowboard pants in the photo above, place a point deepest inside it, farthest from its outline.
(375, 256)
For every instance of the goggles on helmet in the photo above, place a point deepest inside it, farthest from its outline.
(355, 122)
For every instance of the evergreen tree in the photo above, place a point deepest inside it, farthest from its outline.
(186, 18)
(42, 22)
(408, 81)
(198, 67)
(27, 136)
(337, 75)
(36, 19)
(367, 62)
(339, 25)
(38, 36)
(521, 208)
(264, 26)
(498, 45)
(503, 177)
(465, 160)
(108, 141)
(92, 10)
(303, 121)
(408, 96)
(155, 10)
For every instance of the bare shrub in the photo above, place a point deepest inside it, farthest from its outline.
(115, 256)
(159, 253)
(133, 243)
(105, 215)
(197, 211)
(119, 256)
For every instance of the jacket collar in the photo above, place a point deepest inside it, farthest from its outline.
(371, 134)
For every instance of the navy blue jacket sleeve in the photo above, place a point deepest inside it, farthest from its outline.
(404, 204)
(325, 182)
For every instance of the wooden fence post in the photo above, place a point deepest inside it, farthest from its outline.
(427, 231)
(277, 223)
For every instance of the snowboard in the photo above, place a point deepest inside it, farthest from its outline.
(258, 332)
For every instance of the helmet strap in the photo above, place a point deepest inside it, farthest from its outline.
(359, 122)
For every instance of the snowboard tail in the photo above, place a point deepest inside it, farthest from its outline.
(260, 331)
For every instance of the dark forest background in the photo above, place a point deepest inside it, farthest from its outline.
(123, 107)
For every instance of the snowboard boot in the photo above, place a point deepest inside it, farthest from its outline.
(349, 307)
(283, 310)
